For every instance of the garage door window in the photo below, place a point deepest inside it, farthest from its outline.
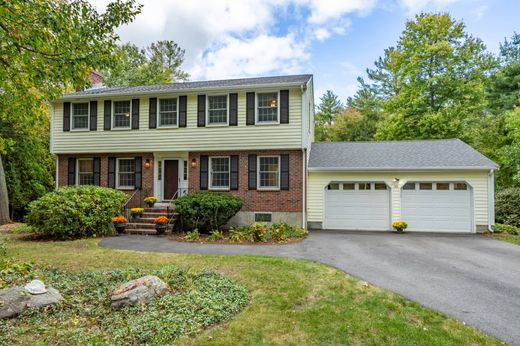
(349, 186)
(409, 186)
(461, 186)
(443, 186)
(364, 186)
(380, 186)
(425, 186)
(333, 187)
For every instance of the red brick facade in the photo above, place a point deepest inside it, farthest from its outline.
(259, 200)
(254, 200)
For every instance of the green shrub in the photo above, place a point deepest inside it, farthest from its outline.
(507, 206)
(215, 235)
(239, 234)
(75, 212)
(501, 228)
(298, 232)
(280, 232)
(207, 210)
(193, 235)
(258, 232)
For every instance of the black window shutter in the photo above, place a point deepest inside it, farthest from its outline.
(112, 172)
(107, 116)
(135, 114)
(93, 115)
(250, 108)
(201, 110)
(152, 112)
(203, 172)
(71, 170)
(233, 109)
(183, 110)
(284, 106)
(66, 116)
(97, 170)
(233, 184)
(284, 172)
(251, 172)
(138, 170)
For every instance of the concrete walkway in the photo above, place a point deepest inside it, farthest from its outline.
(469, 277)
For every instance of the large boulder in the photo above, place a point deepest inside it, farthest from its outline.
(15, 300)
(138, 291)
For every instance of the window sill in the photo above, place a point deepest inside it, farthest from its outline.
(121, 128)
(80, 130)
(221, 189)
(218, 125)
(126, 188)
(268, 189)
(166, 127)
(267, 123)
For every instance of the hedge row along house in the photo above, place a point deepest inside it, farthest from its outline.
(253, 137)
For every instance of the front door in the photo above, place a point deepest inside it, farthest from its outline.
(170, 179)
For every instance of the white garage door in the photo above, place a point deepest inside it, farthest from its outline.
(357, 206)
(437, 206)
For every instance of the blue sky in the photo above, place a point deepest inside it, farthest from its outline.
(336, 40)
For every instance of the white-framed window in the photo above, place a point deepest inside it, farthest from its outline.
(333, 186)
(125, 173)
(219, 172)
(267, 109)
(80, 116)
(184, 170)
(442, 186)
(168, 112)
(269, 172)
(364, 186)
(85, 172)
(409, 186)
(425, 186)
(460, 186)
(217, 113)
(122, 114)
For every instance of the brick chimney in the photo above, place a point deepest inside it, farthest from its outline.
(96, 79)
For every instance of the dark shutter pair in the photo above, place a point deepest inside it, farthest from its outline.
(107, 115)
(183, 110)
(138, 172)
(232, 107)
(71, 171)
(67, 111)
(284, 107)
(204, 172)
(252, 170)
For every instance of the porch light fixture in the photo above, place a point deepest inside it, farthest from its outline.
(193, 163)
(147, 164)
(396, 180)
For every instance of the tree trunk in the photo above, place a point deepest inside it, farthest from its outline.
(4, 198)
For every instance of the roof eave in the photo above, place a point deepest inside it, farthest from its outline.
(177, 91)
(398, 169)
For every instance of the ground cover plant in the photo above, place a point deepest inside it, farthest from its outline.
(291, 301)
(196, 300)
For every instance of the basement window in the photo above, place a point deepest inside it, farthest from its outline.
(263, 217)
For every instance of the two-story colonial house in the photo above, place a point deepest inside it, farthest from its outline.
(247, 136)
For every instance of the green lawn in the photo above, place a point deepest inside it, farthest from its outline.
(292, 302)
(514, 239)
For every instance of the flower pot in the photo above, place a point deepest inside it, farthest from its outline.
(399, 230)
(150, 205)
(120, 227)
(161, 228)
(136, 216)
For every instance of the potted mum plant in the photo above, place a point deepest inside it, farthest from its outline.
(161, 223)
(399, 226)
(136, 212)
(119, 223)
(150, 201)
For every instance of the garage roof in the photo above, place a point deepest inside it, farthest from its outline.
(440, 154)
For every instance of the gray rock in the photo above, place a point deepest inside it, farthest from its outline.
(35, 287)
(138, 291)
(15, 300)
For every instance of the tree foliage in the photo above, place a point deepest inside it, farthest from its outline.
(329, 107)
(158, 63)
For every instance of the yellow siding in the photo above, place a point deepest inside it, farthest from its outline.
(191, 138)
(318, 181)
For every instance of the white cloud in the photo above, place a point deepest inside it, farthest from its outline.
(321, 34)
(414, 6)
(480, 11)
(325, 10)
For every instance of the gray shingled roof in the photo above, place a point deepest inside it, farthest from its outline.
(397, 155)
(187, 86)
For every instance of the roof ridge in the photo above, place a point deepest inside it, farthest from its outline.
(393, 141)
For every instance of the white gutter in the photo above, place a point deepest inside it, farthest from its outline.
(491, 200)
(396, 169)
(304, 189)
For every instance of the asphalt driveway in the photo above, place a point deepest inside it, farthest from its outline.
(469, 277)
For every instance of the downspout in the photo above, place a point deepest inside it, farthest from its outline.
(304, 189)
(491, 200)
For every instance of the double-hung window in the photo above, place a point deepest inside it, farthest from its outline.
(80, 115)
(85, 172)
(269, 172)
(125, 173)
(219, 172)
(168, 112)
(122, 114)
(267, 107)
(217, 110)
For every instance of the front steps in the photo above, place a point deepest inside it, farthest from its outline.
(145, 224)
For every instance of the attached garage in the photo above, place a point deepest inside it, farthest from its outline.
(433, 185)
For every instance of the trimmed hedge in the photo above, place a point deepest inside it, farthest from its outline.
(207, 211)
(507, 206)
(75, 212)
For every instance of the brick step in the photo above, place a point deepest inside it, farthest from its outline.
(156, 210)
(132, 225)
(148, 219)
(142, 231)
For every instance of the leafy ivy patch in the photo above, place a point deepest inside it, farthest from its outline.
(195, 301)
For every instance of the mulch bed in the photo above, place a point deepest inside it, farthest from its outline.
(204, 240)
(9, 227)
